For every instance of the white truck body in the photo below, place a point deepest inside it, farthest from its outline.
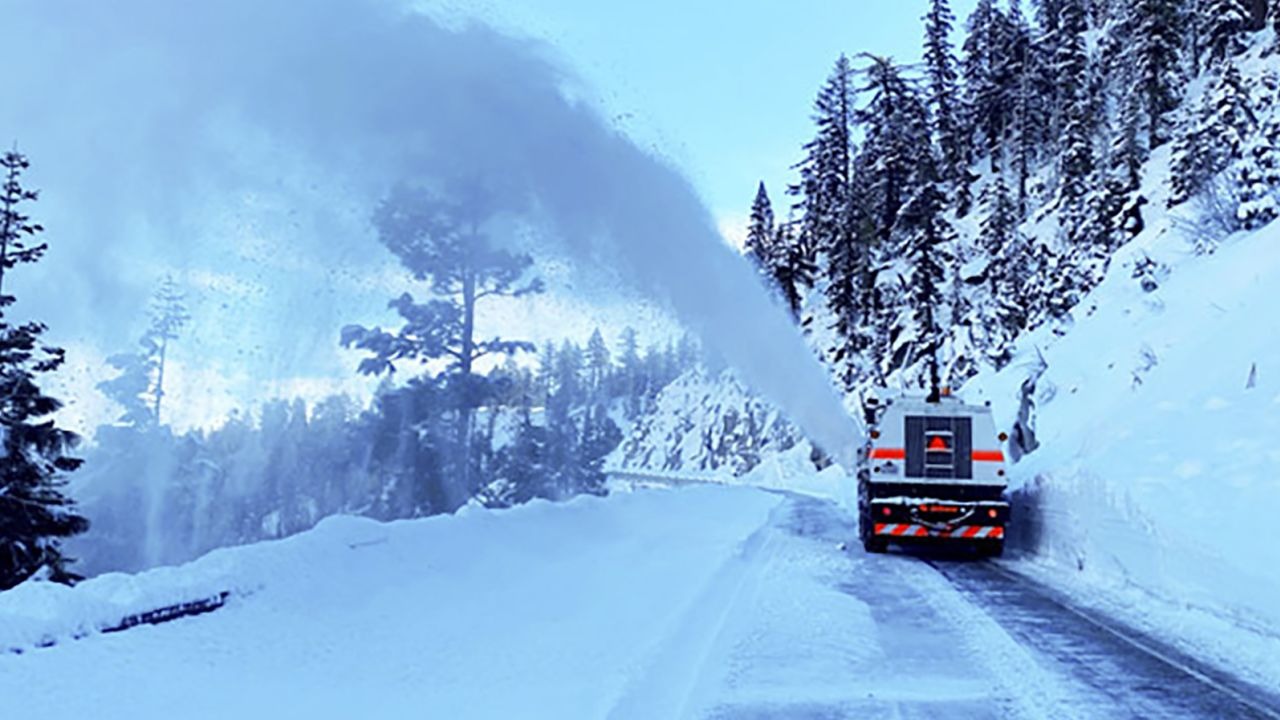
(932, 472)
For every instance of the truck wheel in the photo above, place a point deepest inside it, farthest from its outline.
(994, 548)
(875, 545)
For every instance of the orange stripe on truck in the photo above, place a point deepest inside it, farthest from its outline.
(888, 454)
(988, 456)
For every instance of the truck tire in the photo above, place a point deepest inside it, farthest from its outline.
(875, 545)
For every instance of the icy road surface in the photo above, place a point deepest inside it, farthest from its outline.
(704, 602)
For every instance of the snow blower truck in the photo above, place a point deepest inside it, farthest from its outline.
(932, 473)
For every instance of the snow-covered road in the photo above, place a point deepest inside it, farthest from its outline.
(934, 637)
(701, 602)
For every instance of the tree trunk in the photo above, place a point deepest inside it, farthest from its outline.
(164, 346)
(7, 231)
(1257, 14)
(465, 377)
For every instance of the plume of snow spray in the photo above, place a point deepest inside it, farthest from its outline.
(187, 100)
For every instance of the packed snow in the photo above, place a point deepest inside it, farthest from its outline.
(546, 608)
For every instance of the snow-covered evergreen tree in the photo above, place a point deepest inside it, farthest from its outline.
(443, 242)
(825, 170)
(760, 233)
(631, 373)
(989, 81)
(894, 121)
(943, 97)
(598, 364)
(131, 388)
(1221, 25)
(1215, 137)
(1005, 298)
(919, 334)
(796, 267)
(1257, 177)
(1077, 162)
(1029, 117)
(1149, 34)
(168, 318)
(35, 514)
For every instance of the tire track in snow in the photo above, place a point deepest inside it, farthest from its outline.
(1032, 691)
(676, 675)
(1123, 672)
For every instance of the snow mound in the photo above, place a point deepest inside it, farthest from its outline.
(1158, 418)
(544, 610)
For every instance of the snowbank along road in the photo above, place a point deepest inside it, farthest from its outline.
(697, 602)
(813, 631)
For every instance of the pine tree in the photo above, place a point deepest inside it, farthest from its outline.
(894, 121)
(999, 223)
(850, 281)
(1216, 138)
(600, 435)
(942, 96)
(1117, 205)
(522, 466)
(1258, 177)
(795, 269)
(1005, 300)
(132, 388)
(168, 318)
(1077, 162)
(1151, 34)
(1222, 22)
(544, 379)
(761, 248)
(1127, 152)
(926, 239)
(35, 515)
(1028, 116)
(598, 364)
(995, 59)
(631, 373)
(825, 171)
(442, 240)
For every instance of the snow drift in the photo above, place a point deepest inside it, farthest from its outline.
(546, 610)
(1157, 419)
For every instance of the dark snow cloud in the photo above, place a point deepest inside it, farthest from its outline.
(243, 143)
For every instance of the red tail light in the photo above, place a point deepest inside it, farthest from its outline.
(886, 512)
(992, 513)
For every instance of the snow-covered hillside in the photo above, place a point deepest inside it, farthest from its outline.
(1158, 417)
(1158, 413)
(706, 423)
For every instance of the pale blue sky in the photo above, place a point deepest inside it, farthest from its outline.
(175, 141)
(723, 90)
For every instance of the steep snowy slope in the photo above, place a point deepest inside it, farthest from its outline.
(706, 423)
(1159, 423)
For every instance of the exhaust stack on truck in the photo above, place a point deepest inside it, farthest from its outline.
(932, 472)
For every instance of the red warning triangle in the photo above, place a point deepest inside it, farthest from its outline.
(938, 443)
